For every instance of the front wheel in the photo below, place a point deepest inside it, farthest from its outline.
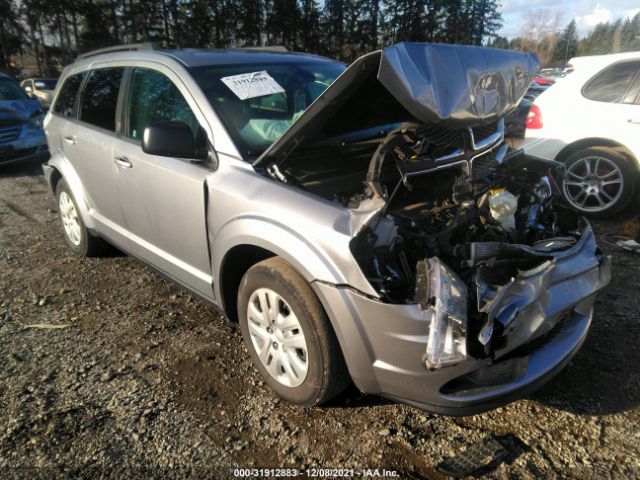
(288, 334)
(598, 181)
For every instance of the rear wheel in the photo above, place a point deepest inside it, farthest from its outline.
(598, 181)
(76, 234)
(288, 334)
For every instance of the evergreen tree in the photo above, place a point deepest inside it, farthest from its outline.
(567, 45)
(631, 34)
(343, 29)
(11, 33)
(310, 35)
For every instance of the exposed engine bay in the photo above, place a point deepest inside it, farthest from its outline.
(499, 214)
(454, 222)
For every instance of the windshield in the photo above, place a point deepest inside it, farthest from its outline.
(45, 83)
(10, 90)
(258, 102)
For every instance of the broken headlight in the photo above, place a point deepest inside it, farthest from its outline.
(446, 296)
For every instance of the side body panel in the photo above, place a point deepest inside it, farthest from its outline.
(310, 233)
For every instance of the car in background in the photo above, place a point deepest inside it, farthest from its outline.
(591, 122)
(21, 133)
(555, 73)
(542, 80)
(40, 89)
(515, 122)
(536, 88)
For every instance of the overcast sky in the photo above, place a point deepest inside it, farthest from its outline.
(588, 13)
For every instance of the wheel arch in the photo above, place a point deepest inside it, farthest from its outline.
(244, 240)
(578, 145)
(58, 168)
(53, 177)
(236, 262)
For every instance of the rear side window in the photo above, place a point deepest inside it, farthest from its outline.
(99, 98)
(633, 95)
(67, 96)
(154, 98)
(611, 84)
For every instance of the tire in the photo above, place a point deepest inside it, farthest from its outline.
(81, 241)
(599, 181)
(326, 373)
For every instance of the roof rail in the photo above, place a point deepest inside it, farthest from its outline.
(119, 48)
(270, 48)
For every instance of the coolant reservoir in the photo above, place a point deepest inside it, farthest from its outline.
(503, 205)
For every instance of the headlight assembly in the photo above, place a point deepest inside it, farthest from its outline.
(446, 309)
(35, 123)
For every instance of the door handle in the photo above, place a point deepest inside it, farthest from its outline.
(633, 120)
(71, 140)
(123, 162)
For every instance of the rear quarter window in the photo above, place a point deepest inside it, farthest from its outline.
(611, 84)
(67, 96)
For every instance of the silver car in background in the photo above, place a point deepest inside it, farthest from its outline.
(363, 224)
(40, 89)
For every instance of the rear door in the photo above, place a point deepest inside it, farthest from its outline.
(163, 198)
(88, 144)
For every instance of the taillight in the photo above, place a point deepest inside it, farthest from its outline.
(534, 117)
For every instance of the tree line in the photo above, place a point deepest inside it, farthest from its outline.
(542, 33)
(55, 32)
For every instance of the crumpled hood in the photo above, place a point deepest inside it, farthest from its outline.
(453, 86)
(456, 86)
(18, 110)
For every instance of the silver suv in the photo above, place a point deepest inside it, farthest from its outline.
(363, 224)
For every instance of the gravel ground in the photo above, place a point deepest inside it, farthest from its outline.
(145, 380)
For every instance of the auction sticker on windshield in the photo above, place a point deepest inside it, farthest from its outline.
(251, 85)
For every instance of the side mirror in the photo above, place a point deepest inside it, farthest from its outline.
(173, 139)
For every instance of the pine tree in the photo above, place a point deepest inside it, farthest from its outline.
(631, 34)
(11, 33)
(567, 45)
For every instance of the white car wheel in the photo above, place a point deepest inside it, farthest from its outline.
(69, 216)
(277, 337)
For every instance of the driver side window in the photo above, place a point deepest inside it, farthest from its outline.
(154, 98)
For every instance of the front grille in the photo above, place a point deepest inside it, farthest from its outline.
(529, 348)
(445, 138)
(10, 133)
(469, 383)
(13, 154)
(483, 131)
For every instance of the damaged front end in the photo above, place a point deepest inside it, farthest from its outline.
(474, 246)
(449, 221)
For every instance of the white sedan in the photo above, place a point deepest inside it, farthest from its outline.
(591, 122)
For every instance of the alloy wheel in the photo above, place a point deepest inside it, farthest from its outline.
(593, 184)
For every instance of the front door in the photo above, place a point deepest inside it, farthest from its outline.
(163, 198)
